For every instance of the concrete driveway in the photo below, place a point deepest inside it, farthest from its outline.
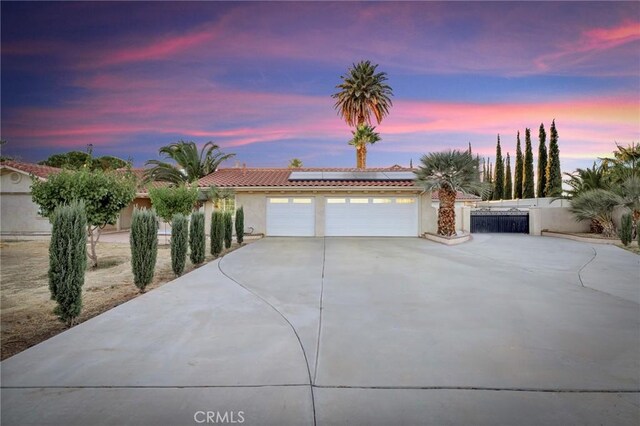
(501, 330)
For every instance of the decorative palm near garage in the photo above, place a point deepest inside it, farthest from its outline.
(190, 166)
(363, 93)
(449, 172)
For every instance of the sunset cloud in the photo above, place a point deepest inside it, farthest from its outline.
(256, 78)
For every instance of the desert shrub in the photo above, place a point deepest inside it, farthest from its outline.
(171, 200)
(626, 229)
(143, 240)
(228, 229)
(68, 259)
(179, 243)
(240, 225)
(217, 233)
(104, 195)
(197, 239)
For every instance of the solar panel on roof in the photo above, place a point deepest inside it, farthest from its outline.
(359, 175)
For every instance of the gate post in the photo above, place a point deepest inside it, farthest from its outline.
(534, 221)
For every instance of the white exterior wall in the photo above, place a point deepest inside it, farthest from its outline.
(255, 206)
(18, 214)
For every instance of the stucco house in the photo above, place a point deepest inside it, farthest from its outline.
(18, 214)
(332, 201)
(277, 202)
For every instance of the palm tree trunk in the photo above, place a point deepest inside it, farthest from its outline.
(360, 158)
(447, 212)
(363, 154)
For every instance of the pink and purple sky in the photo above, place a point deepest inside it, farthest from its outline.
(256, 78)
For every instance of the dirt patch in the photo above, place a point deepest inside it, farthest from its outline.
(25, 307)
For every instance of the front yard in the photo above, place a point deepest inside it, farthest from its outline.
(26, 308)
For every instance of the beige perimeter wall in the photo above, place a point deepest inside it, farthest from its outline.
(558, 219)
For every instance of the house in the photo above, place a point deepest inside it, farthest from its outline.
(331, 201)
(277, 202)
(19, 215)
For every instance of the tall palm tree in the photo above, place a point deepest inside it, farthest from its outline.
(363, 93)
(449, 172)
(190, 165)
(363, 135)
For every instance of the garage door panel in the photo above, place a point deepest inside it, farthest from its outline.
(291, 216)
(372, 216)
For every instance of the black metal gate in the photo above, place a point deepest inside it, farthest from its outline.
(484, 220)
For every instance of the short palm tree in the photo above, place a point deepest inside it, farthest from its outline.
(598, 205)
(449, 172)
(363, 92)
(190, 165)
(295, 163)
(363, 135)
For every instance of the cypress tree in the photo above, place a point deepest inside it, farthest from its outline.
(240, 225)
(626, 229)
(542, 162)
(528, 188)
(179, 243)
(197, 238)
(518, 172)
(498, 183)
(217, 233)
(228, 229)
(143, 240)
(554, 175)
(68, 259)
(508, 185)
(484, 170)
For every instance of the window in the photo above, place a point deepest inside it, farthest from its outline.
(278, 200)
(405, 200)
(302, 201)
(225, 204)
(336, 200)
(382, 201)
(359, 200)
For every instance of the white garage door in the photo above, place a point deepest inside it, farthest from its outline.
(291, 216)
(372, 216)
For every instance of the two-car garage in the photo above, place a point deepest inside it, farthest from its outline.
(343, 216)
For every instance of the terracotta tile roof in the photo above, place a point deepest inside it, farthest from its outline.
(143, 188)
(256, 177)
(30, 168)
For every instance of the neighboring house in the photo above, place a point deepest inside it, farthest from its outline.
(19, 215)
(330, 201)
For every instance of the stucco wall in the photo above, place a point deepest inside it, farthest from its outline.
(18, 214)
(463, 218)
(255, 207)
(127, 213)
(558, 219)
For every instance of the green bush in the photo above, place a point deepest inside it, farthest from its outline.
(143, 240)
(68, 259)
(104, 194)
(179, 243)
(169, 201)
(626, 229)
(217, 233)
(240, 225)
(197, 238)
(228, 229)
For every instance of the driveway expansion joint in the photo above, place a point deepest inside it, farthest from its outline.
(304, 353)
